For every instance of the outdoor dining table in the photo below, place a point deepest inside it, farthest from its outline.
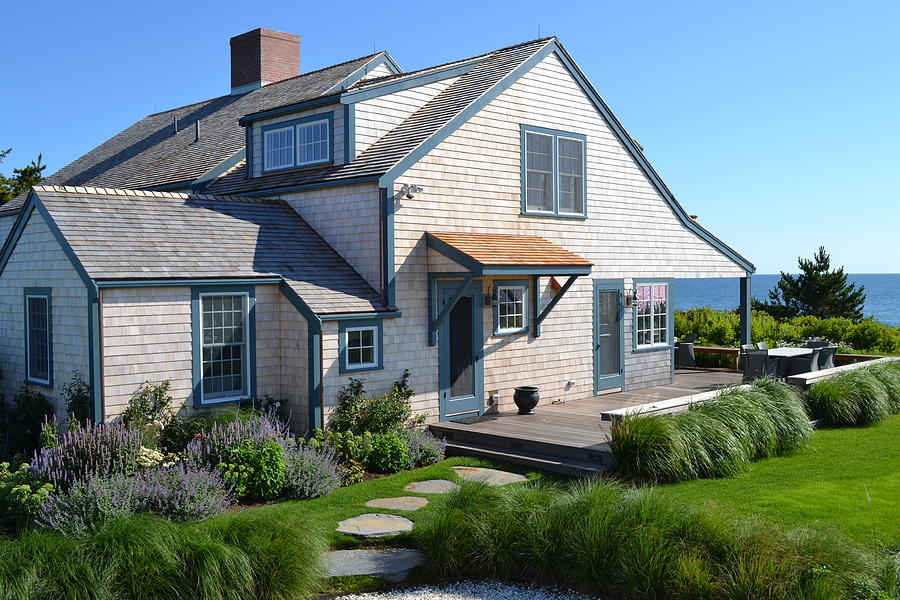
(784, 356)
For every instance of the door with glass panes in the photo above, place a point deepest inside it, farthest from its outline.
(460, 346)
(609, 335)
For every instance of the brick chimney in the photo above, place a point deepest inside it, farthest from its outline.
(263, 56)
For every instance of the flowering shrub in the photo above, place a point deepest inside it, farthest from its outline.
(90, 450)
(310, 473)
(149, 409)
(21, 494)
(389, 454)
(182, 492)
(255, 469)
(148, 458)
(215, 445)
(88, 504)
(424, 448)
(181, 429)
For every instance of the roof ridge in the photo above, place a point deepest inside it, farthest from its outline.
(103, 191)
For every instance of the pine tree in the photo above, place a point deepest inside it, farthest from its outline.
(22, 180)
(817, 291)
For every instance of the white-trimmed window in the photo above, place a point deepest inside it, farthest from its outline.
(298, 143)
(651, 302)
(361, 345)
(279, 145)
(510, 315)
(38, 337)
(224, 348)
(553, 166)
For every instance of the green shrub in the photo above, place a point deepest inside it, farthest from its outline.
(610, 541)
(859, 397)
(181, 429)
(358, 413)
(255, 469)
(25, 419)
(389, 454)
(348, 447)
(717, 438)
(149, 409)
(76, 393)
(21, 495)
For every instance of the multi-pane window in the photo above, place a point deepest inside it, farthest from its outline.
(510, 309)
(571, 175)
(362, 347)
(298, 143)
(652, 314)
(554, 167)
(224, 346)
(279, 144)
(37, 319)
(539, 171)
(312, 143)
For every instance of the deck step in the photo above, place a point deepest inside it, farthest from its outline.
(554, 464)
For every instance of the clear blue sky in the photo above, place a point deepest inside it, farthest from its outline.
(776, 122)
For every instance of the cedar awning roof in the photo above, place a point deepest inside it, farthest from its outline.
(489, 254)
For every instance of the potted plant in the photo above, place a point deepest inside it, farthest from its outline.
(526, 398)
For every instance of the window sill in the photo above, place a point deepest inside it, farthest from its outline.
(323, 163)
(658, 348)
(551, 215)
(217, 401)
(508, 332)
(351, 370)
(43, 384)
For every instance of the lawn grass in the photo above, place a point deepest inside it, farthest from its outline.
(846, 481)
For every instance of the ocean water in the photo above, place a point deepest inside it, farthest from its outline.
(882, 293)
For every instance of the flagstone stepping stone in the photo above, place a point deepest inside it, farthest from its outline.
(432, 486)
(489, 476)
(399, 503)
(375, 525)
(391, 565)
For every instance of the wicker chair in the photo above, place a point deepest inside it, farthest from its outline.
(804, 364)
(826, 357)
(758, 363)
(762, 346)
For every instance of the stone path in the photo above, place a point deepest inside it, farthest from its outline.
(375, 525)
(432, 486)
(399, 503)
(391, 565)
(489, 476)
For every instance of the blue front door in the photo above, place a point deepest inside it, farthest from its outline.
(609, 335)
(460, 349)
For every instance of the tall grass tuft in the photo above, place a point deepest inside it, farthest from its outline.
(858, 397)
(718, 438)
(606, 539)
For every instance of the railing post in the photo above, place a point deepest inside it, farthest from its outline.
(746, 310)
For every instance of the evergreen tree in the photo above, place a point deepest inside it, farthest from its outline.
(22, 180)
(817, 291)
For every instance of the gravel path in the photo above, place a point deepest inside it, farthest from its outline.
(471, 590)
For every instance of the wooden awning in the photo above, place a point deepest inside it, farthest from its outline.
(489, 254)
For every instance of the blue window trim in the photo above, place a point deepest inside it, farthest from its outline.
(555, 134)
(196, 341)
(325, 116)
(523, 283)
(670, 316)
(376, 324)
(44, 292)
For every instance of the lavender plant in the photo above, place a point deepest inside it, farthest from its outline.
(424, 448)
(183, 492)
(310, 473)
(88, 504)
(92, 450)
(216, 444)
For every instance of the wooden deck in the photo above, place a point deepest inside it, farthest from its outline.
(567, 437)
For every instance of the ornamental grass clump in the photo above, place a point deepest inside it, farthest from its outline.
(91, 450)
(612, 541)
(717, 438)
(857, 397)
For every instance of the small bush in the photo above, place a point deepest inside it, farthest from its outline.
(255, 469)
(149, 409)
(358, 413)
(21, 495)
(32, 409)
(424, 448)
(389, 454)
(92, 450)
(859, 397)
(182, 492)
(88, 504)
(310, 473)
(717, 438)
(178, 432)
(349, 448)
(76, 393)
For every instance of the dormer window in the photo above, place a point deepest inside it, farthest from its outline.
(298, 143)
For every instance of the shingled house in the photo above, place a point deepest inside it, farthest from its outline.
(485, 223)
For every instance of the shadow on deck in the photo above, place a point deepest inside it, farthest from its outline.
(566, 437)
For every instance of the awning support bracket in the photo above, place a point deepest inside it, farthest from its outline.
(539, 318)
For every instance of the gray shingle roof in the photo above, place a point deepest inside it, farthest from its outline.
(403, 139)
(148, 154)
(127, 234)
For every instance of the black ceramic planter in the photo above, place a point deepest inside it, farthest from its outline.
(526, 398)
